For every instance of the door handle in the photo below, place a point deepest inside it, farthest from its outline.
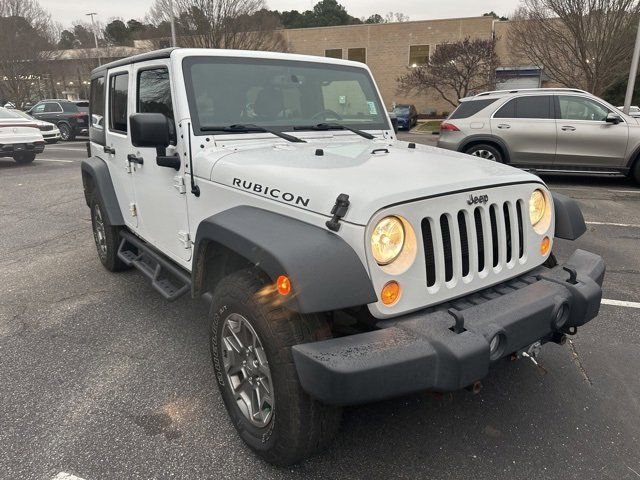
(568, 128)
(504, 126)
(109, 150)
(133, 159)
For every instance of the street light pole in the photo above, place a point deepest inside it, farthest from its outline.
(173, 24)
(633, 73)
(95, 36)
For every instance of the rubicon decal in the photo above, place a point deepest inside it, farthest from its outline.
(477, 199)
(272, 192)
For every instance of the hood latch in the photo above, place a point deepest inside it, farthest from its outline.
(338, 211)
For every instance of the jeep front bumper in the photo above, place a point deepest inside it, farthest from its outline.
(423, 350)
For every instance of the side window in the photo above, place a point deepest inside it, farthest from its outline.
(38, 108)
(508, 110)
(52, 107)
(96, 103)
(580, 108)
(154, 94)
(534, 107)
(118, 95)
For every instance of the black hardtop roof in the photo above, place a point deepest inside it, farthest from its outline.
(142, 57)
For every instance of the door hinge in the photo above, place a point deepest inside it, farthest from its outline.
(178, 183)
(185, 238)
(133, 209)
(127, 167)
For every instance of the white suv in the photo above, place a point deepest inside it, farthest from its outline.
(342, 266)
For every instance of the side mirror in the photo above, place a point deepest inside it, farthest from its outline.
(613, 118)
(150, 130)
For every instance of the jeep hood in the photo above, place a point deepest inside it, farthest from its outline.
(375, 174)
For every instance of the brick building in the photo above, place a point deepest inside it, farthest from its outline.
(389, 49)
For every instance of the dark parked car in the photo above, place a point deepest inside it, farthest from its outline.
(407, 116)
(71, 117)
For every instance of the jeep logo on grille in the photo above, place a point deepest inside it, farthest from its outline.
(477, 199)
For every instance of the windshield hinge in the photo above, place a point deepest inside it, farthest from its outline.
(178, 183)
(338, 211)
(185, 238)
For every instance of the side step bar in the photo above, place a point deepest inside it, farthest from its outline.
(170, 280)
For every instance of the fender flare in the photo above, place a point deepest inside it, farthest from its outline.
(96, 179)
(486, 138)
(569, 220)
(326, 273)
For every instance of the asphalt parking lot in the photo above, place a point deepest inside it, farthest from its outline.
(103, 379)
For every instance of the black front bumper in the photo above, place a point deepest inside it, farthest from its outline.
(422, 350)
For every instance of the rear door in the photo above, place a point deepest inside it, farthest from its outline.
(585, 139)
(528, 127)
(160, 191)
(117, 144)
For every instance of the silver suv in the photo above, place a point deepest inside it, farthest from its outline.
(554, 130)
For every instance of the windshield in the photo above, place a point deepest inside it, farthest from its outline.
(280, 94)
(401, 110)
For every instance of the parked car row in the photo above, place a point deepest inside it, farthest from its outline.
(20, 137)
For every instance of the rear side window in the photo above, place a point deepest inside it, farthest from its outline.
(526, 107)
(69, 107)
(118, 97)
(97, 103)
(52, 107)
(471, 107)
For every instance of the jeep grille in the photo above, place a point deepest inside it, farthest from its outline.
(472, 241)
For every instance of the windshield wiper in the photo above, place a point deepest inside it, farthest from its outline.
(335, 126)
(247, 128)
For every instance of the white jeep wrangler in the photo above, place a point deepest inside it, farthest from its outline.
(342, 266)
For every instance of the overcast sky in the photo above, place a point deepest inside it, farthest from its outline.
(67, 11)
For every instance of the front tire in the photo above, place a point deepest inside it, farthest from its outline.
(250, 339)
(23, 158)
(106, 237)
(488, 152)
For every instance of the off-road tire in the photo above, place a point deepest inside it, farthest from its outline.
(23, 158)
(299, 425)
(108, 253)
(66, 132)
(477, 150)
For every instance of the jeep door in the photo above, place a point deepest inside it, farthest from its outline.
(585, 138)
(528, 127)
(114, 151)
(160, 191)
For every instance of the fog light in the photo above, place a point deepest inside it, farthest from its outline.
(496, 346)
(284, 285)
(545, 245)
(390, 293)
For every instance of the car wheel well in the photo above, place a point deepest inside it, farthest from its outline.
(218, 261)
(89, 186)
(492, 143)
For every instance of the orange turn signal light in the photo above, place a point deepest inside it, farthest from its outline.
(545, 245)
(390, 293)
(284, 285)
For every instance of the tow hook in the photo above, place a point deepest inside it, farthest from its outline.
(475, 387)
(532, 352)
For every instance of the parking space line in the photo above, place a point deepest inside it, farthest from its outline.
(66, 476)
(53, 160)
(66, 149)
(611, 224)
(620, 303)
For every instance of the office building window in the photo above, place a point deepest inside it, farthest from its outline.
(418, 55)
(333, 53)
(358, 54)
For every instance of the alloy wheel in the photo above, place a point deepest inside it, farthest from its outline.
(247, 370)
(99, 233)
(486, 154)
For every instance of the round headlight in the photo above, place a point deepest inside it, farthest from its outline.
(387, 240)
(537, 206)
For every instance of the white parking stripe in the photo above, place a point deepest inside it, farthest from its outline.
(53, 160)
(620, 303)
(66, 476)
(614, 224)
(66, 149)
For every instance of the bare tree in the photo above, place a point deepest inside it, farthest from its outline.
(26, 37)
(579, 43)
(455, 70)
(240, 24)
